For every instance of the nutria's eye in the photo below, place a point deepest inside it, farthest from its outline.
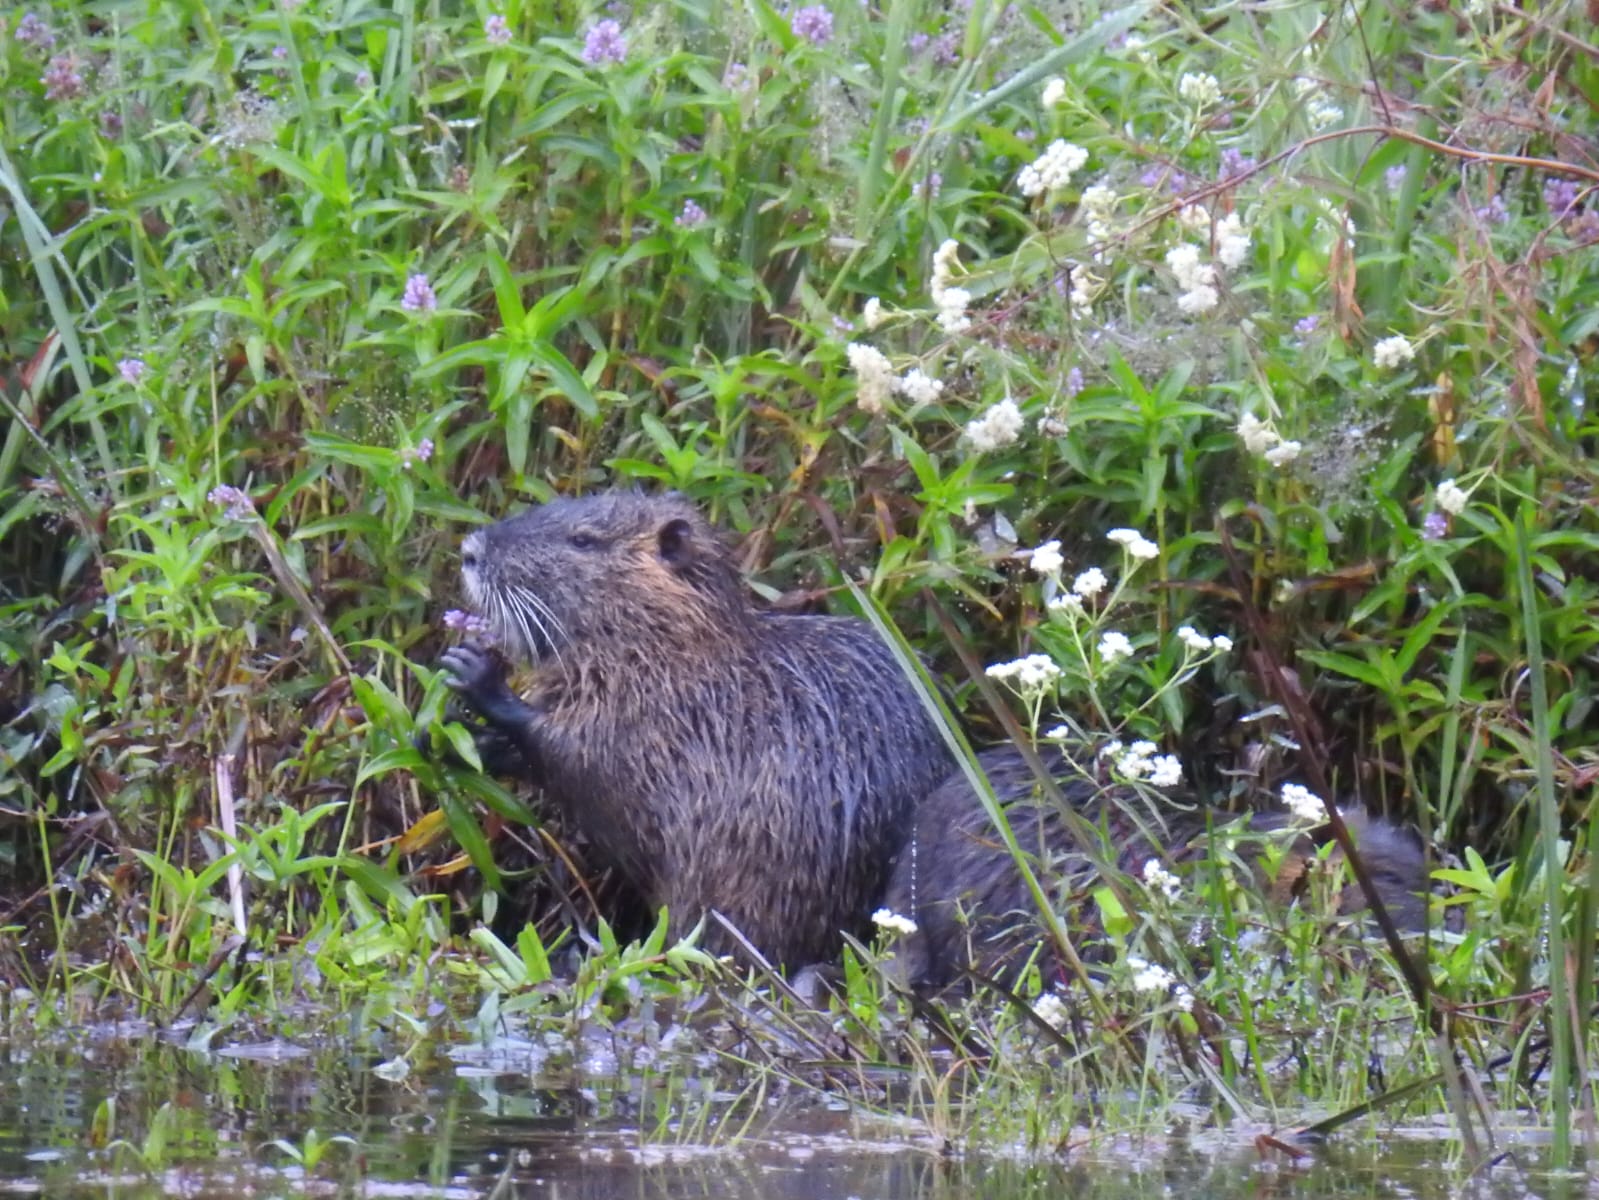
(468, 558)
(584, 541)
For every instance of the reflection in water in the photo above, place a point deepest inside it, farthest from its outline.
(204, 1125)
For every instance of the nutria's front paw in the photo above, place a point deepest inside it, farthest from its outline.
(478, 675)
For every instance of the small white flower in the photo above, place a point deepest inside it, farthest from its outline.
(1304, 803)
(1046, 559)
(1258, 436)
(1195, 217)
(1135, 543)
(1090, 583)
(1149, 977)
(1199, 89)
(1035, 673)
(1283, 453)
(1222, 642)
(1051, 170)
(1113, 647)
(997, 428)
(886, 918)
(1193, 639)
(1067, 602)
(1232, 241)
(872, 314)
(1393, 351)
(1054, 92)
(1183, 999)
(918, 387)
(1198, 301)
(1165, 771)
(1058, 733)
(1452, 498)
(874, 374)
(1049, 1009)
(1158, 879)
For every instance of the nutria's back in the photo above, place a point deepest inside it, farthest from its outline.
(721, 757)
(957, 881)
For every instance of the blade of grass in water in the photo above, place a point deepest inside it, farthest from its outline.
(1560, 1011)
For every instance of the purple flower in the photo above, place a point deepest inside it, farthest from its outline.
(131, 369)
(240, 506)
(1235, 162)
(1434, 526)
(1584, 227)
(110, 123)
(947, 49)
(814, 23)
(363, 79)
(1494, 211)
(918, 42)
(736, 78)
(1306, 326)
(498, 30)
(1560, 196)
(419, 295)
(929, 187)
(691, 215)
(421, 452)
(1073, 384)
(464, 622)
(32, 30)
(1394, 177)
(61, 79)
(604, 43)
(280, 52)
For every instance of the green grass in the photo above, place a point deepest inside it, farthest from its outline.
(215, 217)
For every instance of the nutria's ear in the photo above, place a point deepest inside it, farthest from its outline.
(675, 541)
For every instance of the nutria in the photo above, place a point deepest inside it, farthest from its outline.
(717, 755)
(959, 884)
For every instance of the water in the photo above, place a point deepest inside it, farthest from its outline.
(101, 1115)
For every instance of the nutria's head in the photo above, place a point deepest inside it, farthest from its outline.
(617, 567)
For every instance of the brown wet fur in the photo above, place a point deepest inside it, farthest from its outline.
(959, 883)
(717, 755)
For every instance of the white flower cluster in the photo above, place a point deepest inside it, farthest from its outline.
(1148, 976)
(1098, 205)
(1319, 111)
(1135, 543)
(887, 918)
(1139, 761)
(1046, 558)
(951, 302)
(1198, 89)
(1054, 92)
(1158, 879)
(1090, 583)
(1304, 803)
(1199, 279)
(1393, 352)
(874, 376)
(1199, 643)
(1085, 289)
(1452, 498)
(1051, 170)
(997, 428)
(918, 387)
(872, 314)
(1035, 673)
(1260, 438)
(1113, 647)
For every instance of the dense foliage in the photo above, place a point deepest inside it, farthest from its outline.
(932, 297)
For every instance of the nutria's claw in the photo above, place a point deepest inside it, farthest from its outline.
(479, 676)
